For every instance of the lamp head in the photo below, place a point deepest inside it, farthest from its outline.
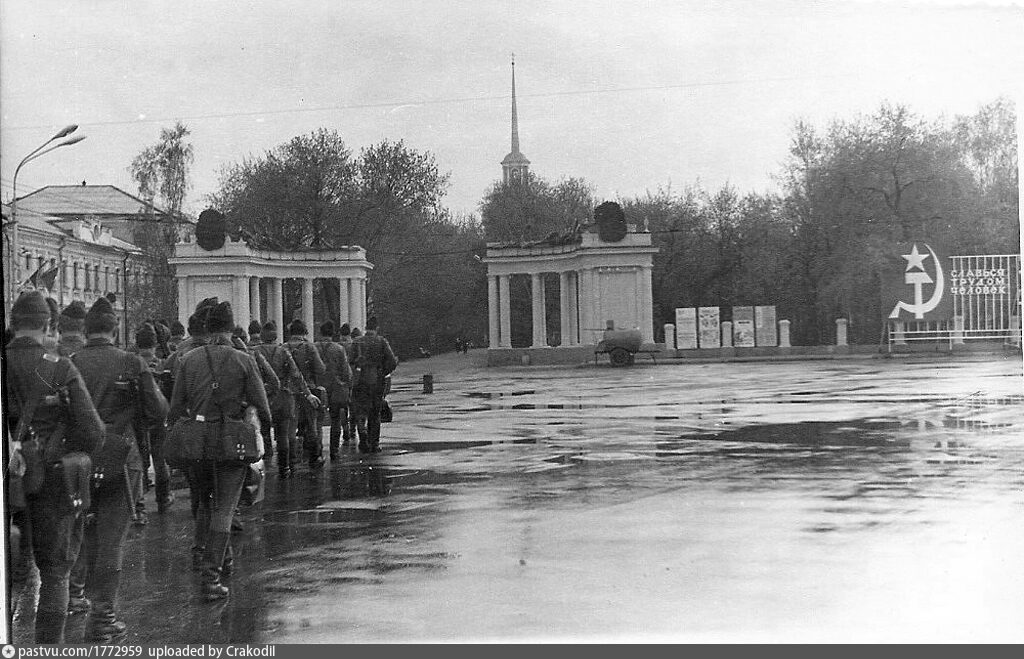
(64, 132)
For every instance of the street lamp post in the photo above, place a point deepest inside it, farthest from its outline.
(42, 150)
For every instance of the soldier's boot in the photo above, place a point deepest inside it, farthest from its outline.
(77, 601)
(228, 566)
(103, 626)
(164, 498)
(50, 626)
(284, 469)
(213, 558)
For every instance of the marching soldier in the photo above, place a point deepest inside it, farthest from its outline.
(283, 406)
(123, 389)
(306, 404)
(375, 361)
(218, 484)
(145, 340)
(71, 326)
(177, 336)
(337, 380)
(45, 400)
(345, 340)
(255, 329)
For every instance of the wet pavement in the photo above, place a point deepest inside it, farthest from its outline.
(837, 501)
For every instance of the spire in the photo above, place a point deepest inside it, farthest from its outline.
(515, 116)
(515, 165)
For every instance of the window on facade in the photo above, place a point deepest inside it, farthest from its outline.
(117, 280)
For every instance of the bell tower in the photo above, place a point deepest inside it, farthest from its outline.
(515, 166)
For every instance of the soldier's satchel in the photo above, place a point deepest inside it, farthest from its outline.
(185, 443)
(29, 453)
(230, 439)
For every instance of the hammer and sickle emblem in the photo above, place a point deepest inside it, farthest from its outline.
(917, 277)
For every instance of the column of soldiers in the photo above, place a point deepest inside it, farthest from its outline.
(68, 388)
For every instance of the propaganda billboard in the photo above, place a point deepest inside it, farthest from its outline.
(708, 322)
(743, 327)
(916, 284)
(686, 328)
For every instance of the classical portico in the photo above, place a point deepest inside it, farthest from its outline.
(599, 282)
(248, 277)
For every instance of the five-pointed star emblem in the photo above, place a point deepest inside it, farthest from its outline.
(915, 259)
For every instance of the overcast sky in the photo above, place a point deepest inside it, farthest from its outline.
(628, 95)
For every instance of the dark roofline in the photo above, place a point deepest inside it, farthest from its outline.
(114, 187)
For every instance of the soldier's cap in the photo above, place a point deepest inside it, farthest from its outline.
(72, 316)
(356, 332)
(297, 328)
(197, 322)
(345, 330)
(162, 332)
(31, 305)
(371, 323)
(255, 328)
(100, 318)
(269, 331)
(177, 329)
(238, 332)
(145, 337)
(220, 318)
(209, 302)
(327, 328)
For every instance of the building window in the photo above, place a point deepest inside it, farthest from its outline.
(117, 280)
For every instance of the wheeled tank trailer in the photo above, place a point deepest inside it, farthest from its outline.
(621, 346)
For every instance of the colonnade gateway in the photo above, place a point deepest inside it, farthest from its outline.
(599, 281)
(249, 277)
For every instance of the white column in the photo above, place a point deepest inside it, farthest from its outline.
(307, 305)
(539, 310)
(183, 308)
(584, 298)
(565, 307)
(254, 300)
(362, 303)
(574, 308)
(276, 307)
(353, 304)
(492, 311)
(505, 310)
(343, 312)
(242, 311)
(595, 300)
(646, 305)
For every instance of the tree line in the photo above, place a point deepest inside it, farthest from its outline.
(817, 248)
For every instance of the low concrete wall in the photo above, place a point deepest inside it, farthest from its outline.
(577, 355)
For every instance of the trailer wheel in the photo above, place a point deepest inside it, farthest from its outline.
(620, 357)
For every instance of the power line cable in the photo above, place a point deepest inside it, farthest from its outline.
(440, 101)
